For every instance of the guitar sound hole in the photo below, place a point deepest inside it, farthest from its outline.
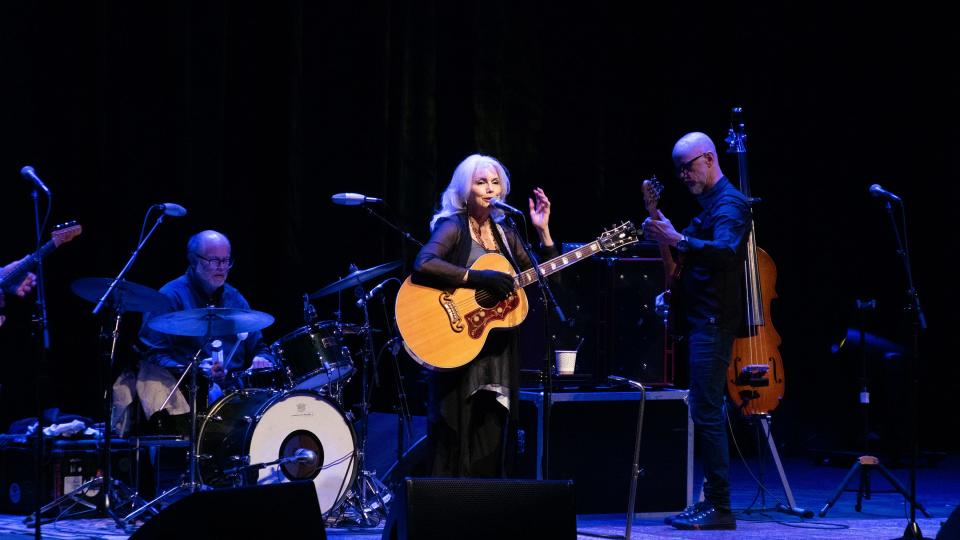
(486, 299)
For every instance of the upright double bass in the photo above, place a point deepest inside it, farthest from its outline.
(755, 378)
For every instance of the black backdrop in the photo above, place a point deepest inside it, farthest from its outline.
(252, 114)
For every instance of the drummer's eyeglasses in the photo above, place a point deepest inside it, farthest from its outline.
(216, 262)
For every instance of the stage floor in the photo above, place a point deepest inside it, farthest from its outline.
(883, 516)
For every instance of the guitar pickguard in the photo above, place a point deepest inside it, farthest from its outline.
(479, 318)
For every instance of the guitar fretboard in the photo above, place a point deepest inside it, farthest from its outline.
(558, 263)
(16, 274)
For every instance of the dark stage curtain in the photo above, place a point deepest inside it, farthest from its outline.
(252, 114)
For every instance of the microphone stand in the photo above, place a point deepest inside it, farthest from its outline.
(42, 335)
(635, 466)
(126, 268)
(402, 232)
(546, 297)
(919, 323)
(108, 482)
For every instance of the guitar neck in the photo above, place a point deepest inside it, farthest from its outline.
(669, 265)
(558, 263)
(10, 279)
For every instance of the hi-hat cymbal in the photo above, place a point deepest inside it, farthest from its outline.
(210, 322)
(355, 278)
(127, 296)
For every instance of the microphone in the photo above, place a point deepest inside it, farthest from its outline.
(353, 199)
(305, 455)
(302, 455)
(373, 293)
(879, 192)
(506, 208)
(172, 209)
(28, 173)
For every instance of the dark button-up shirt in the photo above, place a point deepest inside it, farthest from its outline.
(187, 292)
(711, 280)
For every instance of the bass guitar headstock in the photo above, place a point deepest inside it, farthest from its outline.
(651, 195)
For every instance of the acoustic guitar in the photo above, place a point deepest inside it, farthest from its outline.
(447, 328)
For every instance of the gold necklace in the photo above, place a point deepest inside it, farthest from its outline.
(475, 226)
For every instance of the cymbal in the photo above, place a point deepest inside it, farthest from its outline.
(210, 322)
(355, 278)
(127, 296)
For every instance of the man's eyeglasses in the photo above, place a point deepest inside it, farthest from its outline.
(686, 166)
(216, 262)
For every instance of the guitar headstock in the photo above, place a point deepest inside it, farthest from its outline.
(651, 195)
(618, 237)
(65, 232)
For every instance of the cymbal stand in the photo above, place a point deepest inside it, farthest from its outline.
(190, 484)
(113, 495)
(368, 497)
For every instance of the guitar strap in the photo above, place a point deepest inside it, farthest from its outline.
(506, 248)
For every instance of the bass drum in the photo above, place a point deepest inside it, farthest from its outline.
(256, 426)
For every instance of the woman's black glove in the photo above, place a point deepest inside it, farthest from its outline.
(498, 283)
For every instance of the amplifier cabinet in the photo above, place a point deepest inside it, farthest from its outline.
(592, 440)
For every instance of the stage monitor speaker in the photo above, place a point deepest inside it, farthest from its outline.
(288, 510)
(951, 529)
(471, 508)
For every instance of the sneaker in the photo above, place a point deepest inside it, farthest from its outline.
(687, 512)
(708, 518)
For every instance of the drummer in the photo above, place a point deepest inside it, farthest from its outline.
(203, 285)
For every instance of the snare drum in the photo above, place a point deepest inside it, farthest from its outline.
(271, 377)
(251, 427)
(314, 356)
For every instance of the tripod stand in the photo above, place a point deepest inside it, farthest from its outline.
(762, 421)
(112, 495)
(366, 501)
(866, 462)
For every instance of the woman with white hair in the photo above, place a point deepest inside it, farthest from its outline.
(473, 409)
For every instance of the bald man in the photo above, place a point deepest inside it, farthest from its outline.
(203, 285)
(708, 302)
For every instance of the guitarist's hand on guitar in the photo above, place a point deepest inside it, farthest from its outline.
(661, 230)
(498, 283)
(661, 305)
(29, 281)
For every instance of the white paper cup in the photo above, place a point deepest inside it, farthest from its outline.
(566, 362)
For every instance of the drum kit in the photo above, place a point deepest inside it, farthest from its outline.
(280, 424)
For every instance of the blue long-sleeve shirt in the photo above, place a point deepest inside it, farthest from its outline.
(711, 279)
(186, 292)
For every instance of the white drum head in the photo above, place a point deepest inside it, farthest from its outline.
(303, 420)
